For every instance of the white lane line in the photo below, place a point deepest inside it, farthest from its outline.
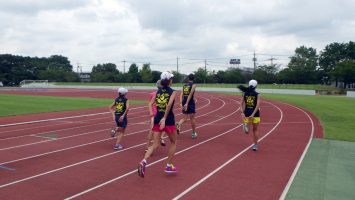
(153, 163)
(102, 156)
(56, 119)
(103, 140)
(288, 185)
(229, 161)
(86, 133)
(57, 124)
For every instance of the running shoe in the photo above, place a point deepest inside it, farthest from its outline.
(113, 132)
(141, 168)
(171, 169)
(254, 147)
(118, 147)
(194, 135)
(178, 128)
(246, 128)
(162, 142)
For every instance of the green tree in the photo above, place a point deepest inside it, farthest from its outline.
(146, 73)
(329, 57)
(64, 61)
(133, 75)
(345, 72)
(178, 78)
(303, 65)
(155, 76)
(265, 73)
(104, 73)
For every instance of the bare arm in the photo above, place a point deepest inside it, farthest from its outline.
(191, 93)
(127, 109)
(242, 104)
(150, 106)
(181, 95)
(111, 109)
(256, 107)
(168, 107)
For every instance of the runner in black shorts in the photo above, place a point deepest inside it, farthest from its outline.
(119, 109)
(187, 102)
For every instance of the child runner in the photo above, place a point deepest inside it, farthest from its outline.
(250, 108)
(164, 120)
(187, 103)
(119, 109)
(154, 108)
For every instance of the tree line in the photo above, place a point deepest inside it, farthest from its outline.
(334, 64)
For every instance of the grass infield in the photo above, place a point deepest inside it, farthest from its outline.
(25, 104)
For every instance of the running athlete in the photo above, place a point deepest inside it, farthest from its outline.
(250, 108)
(187, 103)
(164, 121)
(154, 108)
(119, 109)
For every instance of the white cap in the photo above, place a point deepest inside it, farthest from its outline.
(122, 91)
(166, 75)
(253, 83)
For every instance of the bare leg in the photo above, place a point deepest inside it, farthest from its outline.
(121, 132)
(193, 122)
(172, 147)
(156, 141)
(255, 133)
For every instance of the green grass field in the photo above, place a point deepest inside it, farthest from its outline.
(337, 114)
(262, 86)
(25, 104)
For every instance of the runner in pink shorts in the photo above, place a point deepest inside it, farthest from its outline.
(154, 107)
(164, 121)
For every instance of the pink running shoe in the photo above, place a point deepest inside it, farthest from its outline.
(171, 169)
(141, 168)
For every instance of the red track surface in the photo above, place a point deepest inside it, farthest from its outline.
(80, 162)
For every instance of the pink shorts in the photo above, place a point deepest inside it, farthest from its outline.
(167, 129)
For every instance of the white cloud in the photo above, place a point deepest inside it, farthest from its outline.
(158, 31)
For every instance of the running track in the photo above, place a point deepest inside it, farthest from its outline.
(71, 157)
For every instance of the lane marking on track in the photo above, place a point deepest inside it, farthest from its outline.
(103, 140)
(86, 133)
(58, 123)
(229, 161)
(60, 118)
(293, 175)
(105, 155)
(7, 168)
(155, 162)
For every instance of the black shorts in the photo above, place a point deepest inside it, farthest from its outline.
(190, 108)
(122, 124)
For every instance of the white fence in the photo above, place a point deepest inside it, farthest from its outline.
(350, 94)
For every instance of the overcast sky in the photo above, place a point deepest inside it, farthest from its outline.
(89, 32)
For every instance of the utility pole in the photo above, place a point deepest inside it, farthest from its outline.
(205, 72)
(124, 66)
(177, 64)
(272, 59)
(254, 60)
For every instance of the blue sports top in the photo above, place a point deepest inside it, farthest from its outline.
(186, 90)
(120, 105)
(250, 99)
(161, 100)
